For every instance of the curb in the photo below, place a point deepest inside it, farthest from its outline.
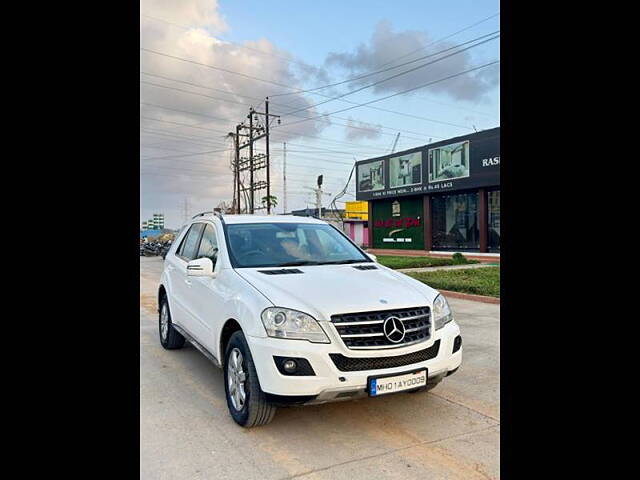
(470, 296)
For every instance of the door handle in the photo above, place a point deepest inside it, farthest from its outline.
(188, 282)
(170, 267)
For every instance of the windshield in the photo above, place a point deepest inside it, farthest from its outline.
(289, 244)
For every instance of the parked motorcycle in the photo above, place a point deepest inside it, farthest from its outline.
(154, 249)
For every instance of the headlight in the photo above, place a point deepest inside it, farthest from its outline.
(287, 323)
(441, 312)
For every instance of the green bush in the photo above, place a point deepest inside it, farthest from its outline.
(459, 259)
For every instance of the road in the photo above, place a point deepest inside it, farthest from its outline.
(452, 432)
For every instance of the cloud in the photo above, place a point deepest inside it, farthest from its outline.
(189, 29)
(360, 130)
(387, 45)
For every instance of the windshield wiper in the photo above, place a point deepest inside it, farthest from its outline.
(299, 263)
(340, 262)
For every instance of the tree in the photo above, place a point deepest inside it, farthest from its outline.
(272, 199)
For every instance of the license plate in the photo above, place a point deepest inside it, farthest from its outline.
(397, 383)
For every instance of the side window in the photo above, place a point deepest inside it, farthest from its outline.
(187, 250)
(208, 244)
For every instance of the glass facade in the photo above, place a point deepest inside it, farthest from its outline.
(455, 222)
(493, 198)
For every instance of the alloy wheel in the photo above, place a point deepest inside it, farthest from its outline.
(164, 322)
(236, 379)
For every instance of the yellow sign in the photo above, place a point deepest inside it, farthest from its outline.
(357, 210)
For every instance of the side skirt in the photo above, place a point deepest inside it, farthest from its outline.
(196, 344)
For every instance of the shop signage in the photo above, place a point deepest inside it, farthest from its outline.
(459, 163)
(400, 222)
(395, 209)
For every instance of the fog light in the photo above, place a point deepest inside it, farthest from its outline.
(289, 366)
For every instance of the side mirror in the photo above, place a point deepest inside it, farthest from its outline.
(200, 267)
(372, 257)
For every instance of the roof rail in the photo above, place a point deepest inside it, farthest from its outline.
(216, 213)
(201, 214)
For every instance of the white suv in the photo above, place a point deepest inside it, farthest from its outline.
(295, 313)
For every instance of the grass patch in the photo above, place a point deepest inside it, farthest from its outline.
(478, 281)
(396, 261)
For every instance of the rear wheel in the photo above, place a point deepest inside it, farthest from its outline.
(246, 400)
(170, 338)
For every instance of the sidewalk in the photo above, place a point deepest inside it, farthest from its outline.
(482, 257)
(446, 267)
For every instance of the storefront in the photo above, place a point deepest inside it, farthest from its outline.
(444, 196)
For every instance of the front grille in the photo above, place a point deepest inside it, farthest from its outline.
(352, 364)
(365, 330)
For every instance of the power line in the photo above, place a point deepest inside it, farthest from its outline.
(442, 39)
(404, 91)
(320, 149)
(244, 104)
(398, 75)
(289, 60)
(187, 155)
(375, 72)
(285, 105)
(182, 138)
(315, 137)
(253, 78)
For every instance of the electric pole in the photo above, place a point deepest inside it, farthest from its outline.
(237, 169)
(254, 162)
(284, 178)
(319, 192)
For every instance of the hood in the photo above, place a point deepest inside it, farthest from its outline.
(325, 290)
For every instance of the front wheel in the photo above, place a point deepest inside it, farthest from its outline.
(246, 400)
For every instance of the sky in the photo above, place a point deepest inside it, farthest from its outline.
(203, 63)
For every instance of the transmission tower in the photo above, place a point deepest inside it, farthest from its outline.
(185, 210)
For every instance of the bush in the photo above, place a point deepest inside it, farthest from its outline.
(459, 259)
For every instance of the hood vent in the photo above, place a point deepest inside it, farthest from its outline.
(366, 267)
(282, 271)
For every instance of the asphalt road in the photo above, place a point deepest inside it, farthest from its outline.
(452, 432)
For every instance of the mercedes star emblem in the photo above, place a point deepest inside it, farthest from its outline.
(393, 329)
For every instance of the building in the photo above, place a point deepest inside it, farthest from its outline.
(444, 196)
(313, 212)
(155, 223)
(356, 222)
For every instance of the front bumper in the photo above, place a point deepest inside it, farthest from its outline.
(331, 384)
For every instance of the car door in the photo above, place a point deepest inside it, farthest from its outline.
(182, 312)
(205, 293)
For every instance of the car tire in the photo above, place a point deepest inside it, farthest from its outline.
(246, 401)
(170, 338)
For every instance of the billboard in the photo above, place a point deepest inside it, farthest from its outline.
(371, 176)
(460, 163)
(449, 161)
(405, 170)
